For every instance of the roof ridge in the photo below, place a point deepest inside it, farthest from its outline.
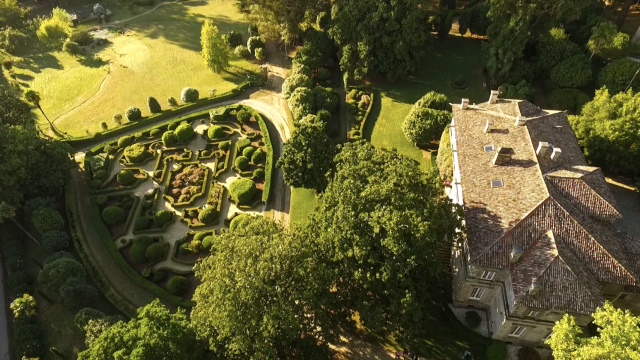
(600, 196)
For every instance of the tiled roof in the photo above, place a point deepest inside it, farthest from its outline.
(542, 198)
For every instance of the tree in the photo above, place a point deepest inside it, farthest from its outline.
(619, 75)
(380, 222)
(608, 130)
(505, 47)
(11, 14)
(56, 273)
(34, 97)
(13, 110)
(307, 157)
(522, 91)
(380, 36)
(618, 336)
(215, 51)
(554, 47)
(302, 103)
(573, 72)
(153, 105)
(25, 306)
(427, 119)
(607, 42)
(53, 30)
(264, 295)
(295, 81)
(70, 47)
(154, 333)
(76, 293)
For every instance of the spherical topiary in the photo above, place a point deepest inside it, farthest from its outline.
(169, 138)
(208, 215)
(46, 220)
(55, 240)
(243, 116)
(243, 143)
(248, 151)
(258, 173)
(174, 125)
(215, 132)
(184, 249)
(141, 223)
(242, 162)
(125, 141)
(472, 319)
(125, 177)
(570, 100)
(184, 132)
(177, 285)
(189, 95)
(261, 54)
(528, 353)
(496, 351)
(200, 236)
(101, 199)
(323, 74)
(154, 252)
(155, 133)
(224, 145)
(159, 276)
(59, 255)
(162, 217)
(136, 153)
(112, 215)
(241, 51)
(133, 114)
(208, 241)
(154, 105)
(139, 248)
(237, 221)
(257, 156)
(242, 190)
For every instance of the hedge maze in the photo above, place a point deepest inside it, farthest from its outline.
(162, 195)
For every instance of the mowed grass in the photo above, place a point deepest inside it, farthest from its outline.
(445, 62)
(303, 201)
(158, 56)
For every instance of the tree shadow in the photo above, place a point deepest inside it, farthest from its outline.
(91, 61)
(372, 118)
(38, 62)
(24, 77)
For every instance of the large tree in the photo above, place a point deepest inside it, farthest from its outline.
(618, 337)
(11, 15)
(53, 30)
(427, 119)
(215, 51)
(13, 110)
(607, 42)
(264, 294)
(282, 18)
(380, 36)
(307, 157)
(154, 334)
(380, 222)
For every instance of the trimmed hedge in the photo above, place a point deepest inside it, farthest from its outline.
(177, 285)
(125, 141)
(189, 95)
(184, 133)
(208, 241)
(155, 252)
(242, 191)
(162, 217)
(125, 177)
(258, 173)
(133, 114)
(208, 215)
(112, 215)
(242, 162)
(243, 143)
(155, 133)
(139, 248)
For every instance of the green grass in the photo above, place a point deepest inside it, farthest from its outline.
(158, 57)
(446, 60)
(303, 201)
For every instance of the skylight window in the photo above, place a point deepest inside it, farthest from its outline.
(497, 183)
(488, 148)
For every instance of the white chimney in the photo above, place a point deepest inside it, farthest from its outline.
(555, 155)
(535, 288)
(487, 128)
(543, 148)
(465, 104)
(503, 156)
(494, 96)
(516, 253)
(520, 121)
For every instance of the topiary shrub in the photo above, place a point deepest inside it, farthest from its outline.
(159, 276)
(254, 43)
(528, 353)
(472, 319)
(99, 174)
(155, 133)
(155, 252)
(208, 241)
(200, 236)
(496, 351)
(169, 138)
(242, 191)
(55, 240)
(189, 95)
(215, 132)
(553, 48)
(225, 145)
(243, 116)
(241, 51)
(133, 114)
(82, 317)
(46, 219)
(325, 98)
(258, 173)
(173, 125)
(238, 221)
(323, 74)
(302, 102)
(423, 125)
(154, 105)
(570, 100)
(243, 143)
(242, 162)
(253, 30)
(58, 255)
(323, 116)
(101, 199)
(184, 133)
(75, 293)
(141, 223)
(310, 56)
(233, 39)
(257, 156)
(125, 141)
(208, 215)
(184, 249)
(617, 75)
(125, 177)
(139, 248)
(112, 215)
(162, 217)
(572, 72)
(177, 285)
(296, 80)
(300, 69)
(136, 153)
(248, 151)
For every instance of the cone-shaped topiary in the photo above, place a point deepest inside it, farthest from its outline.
(154, 105)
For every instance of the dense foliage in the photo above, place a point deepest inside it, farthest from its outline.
(553, 48)
(13, 110)
(215, 132)
(54, 29)
(135, 153)
(184, 132)
(125, 177)
(169, 138)
(619, 74)
(113, 215)
(139, 248)
(573, 72)
(445, 156)
(427, 118)
(208, 215)
(522, 91)
(153, 105)
(280, 18)
(607, 42)
(55, 240)
(46, 220)
(302, 103)
(570, 100)
(177, 285)
(162, 217)
(242, 191)
(296, 80)
(133, 114)
(215, 51)
(189, 95)
(56, 273)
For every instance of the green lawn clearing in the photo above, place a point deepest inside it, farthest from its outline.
(303, 201)
(158, 55)
(445, 62)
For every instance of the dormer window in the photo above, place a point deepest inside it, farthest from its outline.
(488, 148)
(497, 183)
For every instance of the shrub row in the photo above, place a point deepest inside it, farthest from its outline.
(269, 163)
(366, 114)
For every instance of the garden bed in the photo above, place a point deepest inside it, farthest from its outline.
(186, 184)
(167, 155)
(114, 185)
(118, 220)
(359, 103)
(137, 154)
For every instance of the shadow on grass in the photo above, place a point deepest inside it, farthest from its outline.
(37, 62)
(91, 61)
(374, 114)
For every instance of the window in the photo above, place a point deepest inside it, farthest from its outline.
(487, 275)
(548, 336)
(532, 313)
(476, 293)
(516, 331)
(497, 183)
(488, 148)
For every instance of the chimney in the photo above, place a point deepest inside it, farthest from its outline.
(555, 155)
(465, 104)
(516, 253)
(520, 121)
(535, 288)
(494, 96)
(543, 148)
(503, 156)
(487, 128)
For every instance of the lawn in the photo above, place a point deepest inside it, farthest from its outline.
(158, 56)
(446, 60)
(303, 201)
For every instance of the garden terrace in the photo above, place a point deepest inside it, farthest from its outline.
(166, 156)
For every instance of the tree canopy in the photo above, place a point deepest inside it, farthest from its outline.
(155, 333)
(13, 110)
(607, 42)
(11, 15)
(53, 30)
(427, 119)
(215, 51)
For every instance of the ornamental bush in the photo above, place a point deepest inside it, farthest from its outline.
(55, 240)
(154, 105)
(323, 116)
(241, 51)
(296, 80)
(302, 103)
(200, 236)
(570, 100)
(101, 199)
(238, 221)
(310, 56)
(208, 241)
(323, 74)
(208, 215)
(189, 95)
(242, 191)
(225, 145)
(172, 101)
(141, 223)
(242, 162)
(173, 125)
(248, 151)
(325, 98)
(169, 138)
(553, 48)
(253, 30)
(261, 54)
(125, 177)
(528, 353)
(56, 273)
(125, 141)
(423, 125)
(139, 248)
(242, 143)
(572, 72)
(47, 219)
(155, 252)
(184, 133)
(159, 276)
(300, 69)
(233, 39)
(254, 43)
(496, 351)
(617, 75)
(133, 114)
(257, 156)
(113, 215)
(243, 116)
(433, 100)
(472, 319)
(258, 173)
(522, 91)
(136, 153)
(162, 217)
(177, 285)
(82, 317)
(59, 255)
(76, 293)
(215, 132)
(155, 133)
